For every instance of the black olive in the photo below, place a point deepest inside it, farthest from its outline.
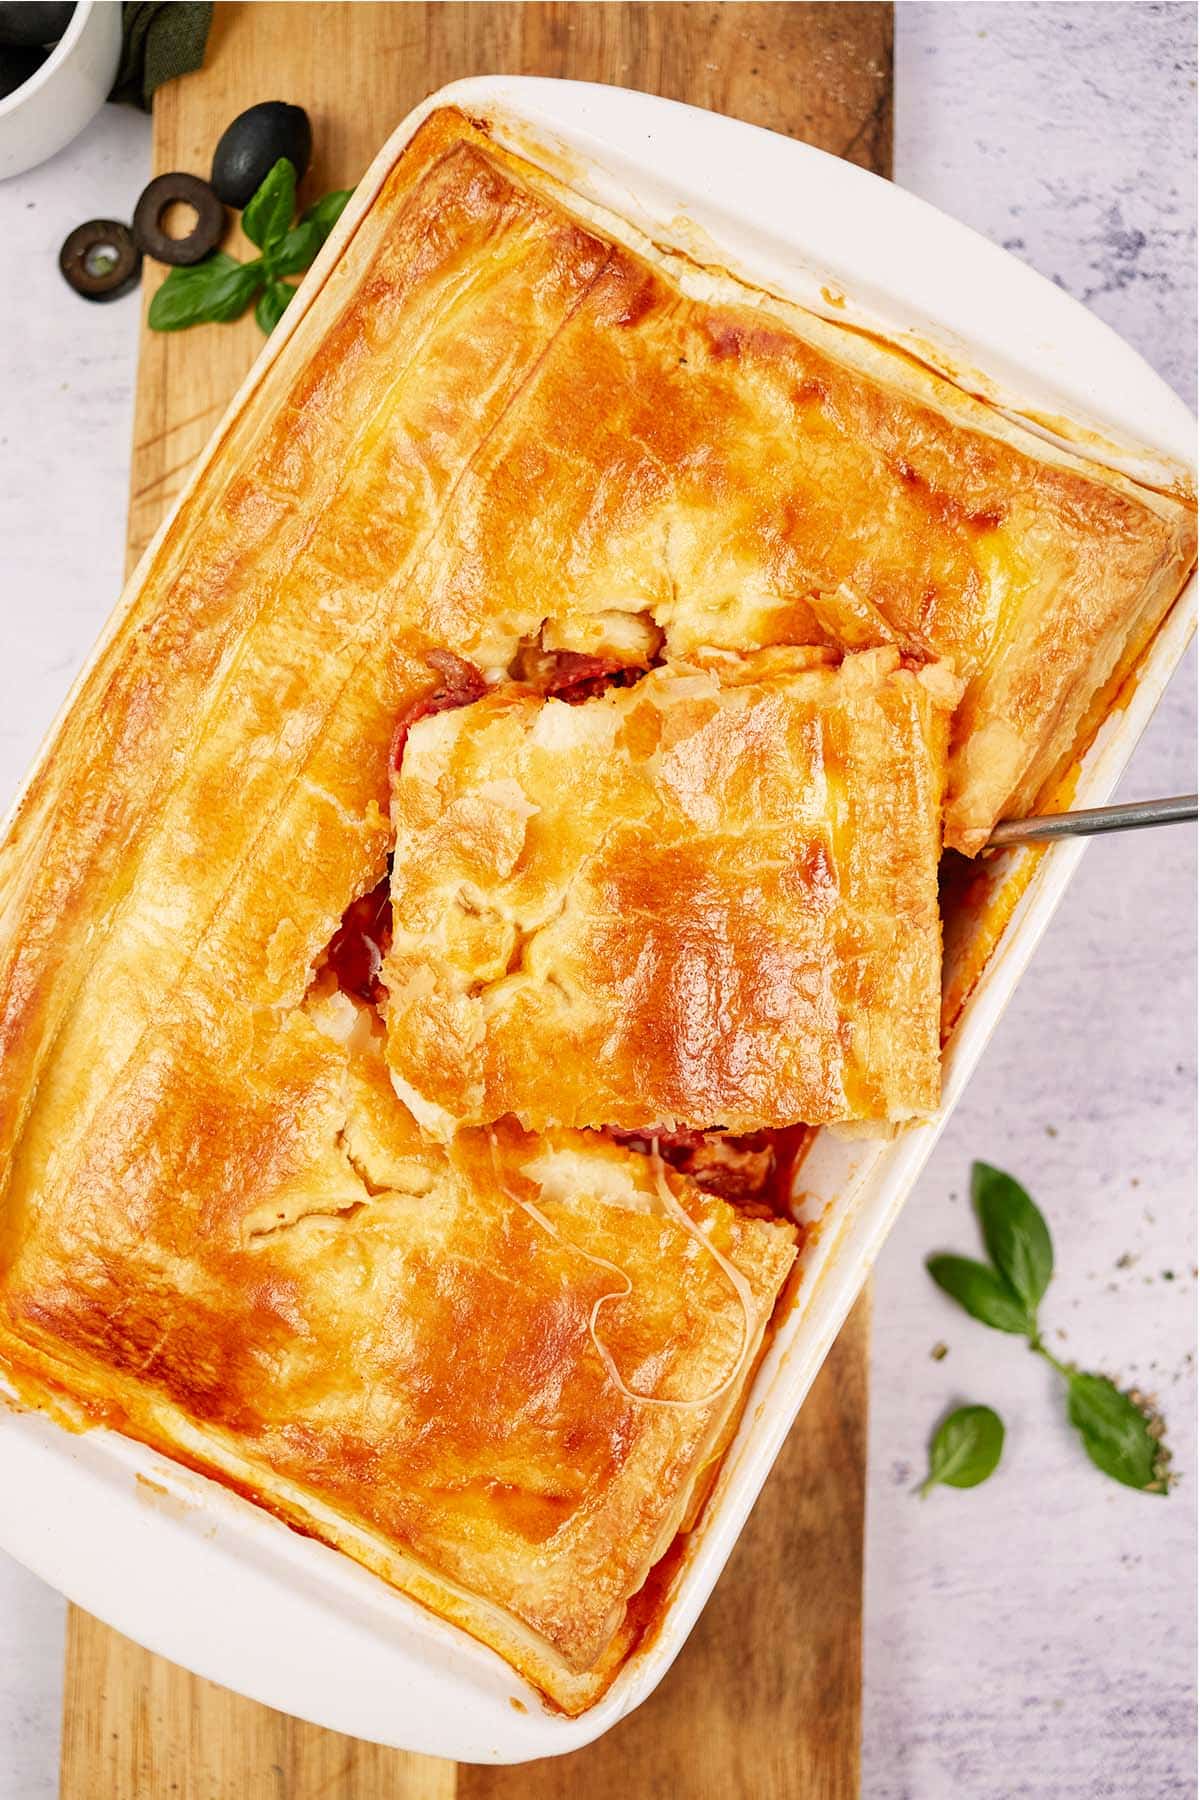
(100, 259)
(188, 190)
(33, 21)
(16, 66)
(248, 149)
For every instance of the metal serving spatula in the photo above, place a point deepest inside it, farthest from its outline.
(1089, 820)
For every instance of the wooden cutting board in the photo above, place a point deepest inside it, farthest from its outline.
(765, 1701)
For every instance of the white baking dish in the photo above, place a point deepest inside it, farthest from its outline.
(218, 1585)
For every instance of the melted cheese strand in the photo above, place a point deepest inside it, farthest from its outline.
(737, 1281)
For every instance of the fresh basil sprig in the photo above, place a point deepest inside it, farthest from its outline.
(1015, 1233)
(965, 1448)
(1121, 1433)
(325, 212)
(272, 303)
(292, 253)
(982, 1292)
(220, 287)
(1117, 1433)
(272, 207)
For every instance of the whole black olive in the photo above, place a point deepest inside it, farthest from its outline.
(163, 192)
(248, 149)
(17, 64)
(100, 259)
(33, 21)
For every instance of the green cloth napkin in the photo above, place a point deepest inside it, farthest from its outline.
(159, 40)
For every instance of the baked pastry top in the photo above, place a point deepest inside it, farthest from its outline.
(733, 471)
(495, 428)
(496, 1372)
(709, 900)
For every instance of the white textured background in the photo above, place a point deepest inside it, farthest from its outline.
(1036, 1636)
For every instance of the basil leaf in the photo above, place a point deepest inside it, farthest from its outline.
(271, 305)
(294, 251)
(325, 212)
(219, 288)
(984, 1294)
(269, 210)
(1117, 1435)
(1016, 1234)
(965, 1448)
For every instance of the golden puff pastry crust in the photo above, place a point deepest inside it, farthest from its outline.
(707, 901)
(493, 424)
(742, 473)
(497, 1372)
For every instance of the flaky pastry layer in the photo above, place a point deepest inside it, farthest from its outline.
(503, 1367)
(492, 423)
(709, 900)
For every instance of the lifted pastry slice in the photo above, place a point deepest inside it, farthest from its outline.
(706, 901)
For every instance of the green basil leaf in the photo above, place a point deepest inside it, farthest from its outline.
(984, 1294)
(269, 210)
(219, 288)
(1117, 1434)
(965, 1448)
(294, 251)
(1016, 1234)
(272, 304)
(325, 212)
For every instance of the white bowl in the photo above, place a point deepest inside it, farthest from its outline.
(71, 86)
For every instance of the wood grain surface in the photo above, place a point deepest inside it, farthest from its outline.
(765, 1701)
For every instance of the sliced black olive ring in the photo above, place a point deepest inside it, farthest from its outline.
(100, 259)
(165, 191)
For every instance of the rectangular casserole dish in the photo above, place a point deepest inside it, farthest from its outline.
(290, 1622)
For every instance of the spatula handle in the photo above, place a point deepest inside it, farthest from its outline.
(1092, 819)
